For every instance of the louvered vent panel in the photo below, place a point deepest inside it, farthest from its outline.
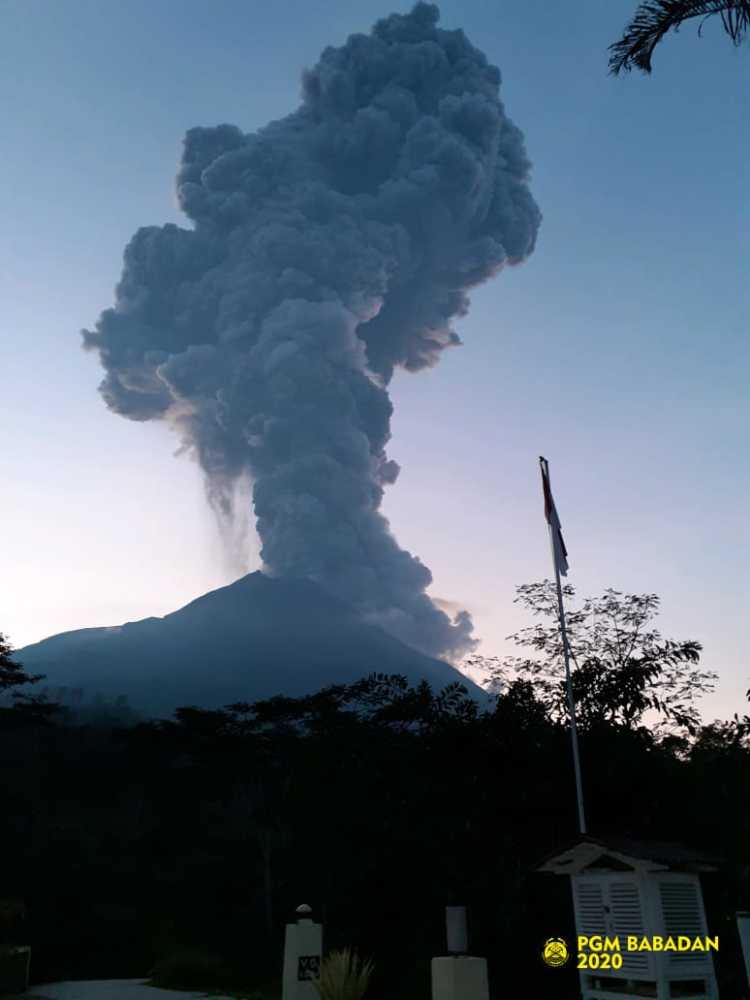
(625, 901)
(681, 914)
(627, 918)
(590, 913)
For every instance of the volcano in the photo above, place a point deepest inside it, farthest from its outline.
(258, 637)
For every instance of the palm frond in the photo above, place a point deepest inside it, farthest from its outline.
(653, 19)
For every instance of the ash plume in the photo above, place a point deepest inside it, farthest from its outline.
(327, 249)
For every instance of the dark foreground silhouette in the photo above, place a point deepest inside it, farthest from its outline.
(186, 845)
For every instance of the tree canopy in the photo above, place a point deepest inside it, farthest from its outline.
(19, 706)
(623, 670)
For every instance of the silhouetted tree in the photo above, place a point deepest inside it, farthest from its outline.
(24, 707)
(654, 19)
(12, 674)
(622, 667)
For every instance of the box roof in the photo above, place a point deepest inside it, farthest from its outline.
(617, 853)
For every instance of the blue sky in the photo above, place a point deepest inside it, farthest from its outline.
(619, 350)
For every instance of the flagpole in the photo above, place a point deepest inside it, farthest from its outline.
(568, 681)
(571, 703)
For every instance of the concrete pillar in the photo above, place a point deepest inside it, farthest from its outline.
(459, 976)
(303, 951)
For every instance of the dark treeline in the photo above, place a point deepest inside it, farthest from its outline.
(377, 803)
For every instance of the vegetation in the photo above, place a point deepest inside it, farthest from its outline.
(654, 19)
(17, 706)
(343, 976)
(183, 846)
(14, 958)
(622, 667)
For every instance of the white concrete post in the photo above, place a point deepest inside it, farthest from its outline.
(303, 951)
(743, 926)
(459, 976)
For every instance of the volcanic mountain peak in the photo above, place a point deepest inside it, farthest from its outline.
(252, 639)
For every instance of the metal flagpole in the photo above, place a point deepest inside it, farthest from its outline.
(571, 702)
(566, 652)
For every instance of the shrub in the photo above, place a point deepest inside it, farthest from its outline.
(12, 912)
(343, 976)
(14, 969)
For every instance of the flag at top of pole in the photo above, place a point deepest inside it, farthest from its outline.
(560, 561)
(559, 552)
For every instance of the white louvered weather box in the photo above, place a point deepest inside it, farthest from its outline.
(627, 889)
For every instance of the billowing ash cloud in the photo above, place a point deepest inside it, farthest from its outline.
(327, 249)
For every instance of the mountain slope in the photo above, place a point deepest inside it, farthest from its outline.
(253, 639)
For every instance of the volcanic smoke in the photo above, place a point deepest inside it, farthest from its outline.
(327, 249)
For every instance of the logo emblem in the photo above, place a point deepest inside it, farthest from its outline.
(308, 967)
(555, 952)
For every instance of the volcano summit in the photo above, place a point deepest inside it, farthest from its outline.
(256, 638)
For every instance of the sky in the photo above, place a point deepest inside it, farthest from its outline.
(618, 350)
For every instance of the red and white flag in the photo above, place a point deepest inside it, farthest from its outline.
(559, 552)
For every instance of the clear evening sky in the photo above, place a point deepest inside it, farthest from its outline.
(619, 350)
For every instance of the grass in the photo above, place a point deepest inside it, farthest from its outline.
(343, 976)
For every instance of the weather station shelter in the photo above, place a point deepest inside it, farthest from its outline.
(639, 893)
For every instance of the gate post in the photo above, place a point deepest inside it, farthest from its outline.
(459, 976)
(303, 951)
